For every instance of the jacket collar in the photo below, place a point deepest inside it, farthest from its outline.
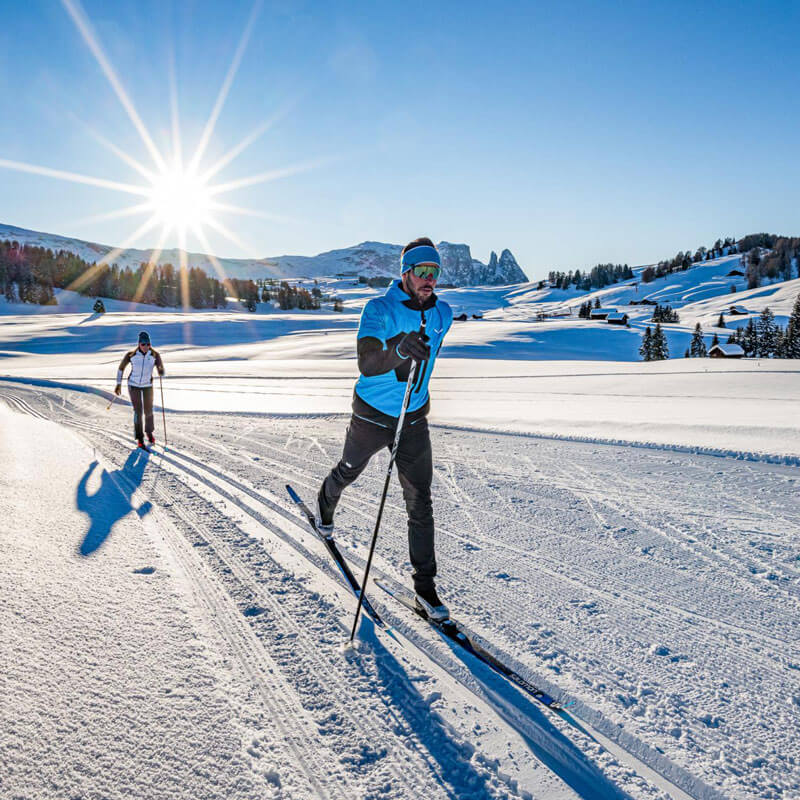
(397, 293)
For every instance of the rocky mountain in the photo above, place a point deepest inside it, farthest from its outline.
(368, 258)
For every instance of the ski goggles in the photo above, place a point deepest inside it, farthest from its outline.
(427, 271)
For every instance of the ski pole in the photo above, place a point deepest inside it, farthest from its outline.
(392, 457)
(112, 402)
(163, 413)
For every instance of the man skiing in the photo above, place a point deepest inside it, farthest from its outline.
(140, 386)
(407, 324)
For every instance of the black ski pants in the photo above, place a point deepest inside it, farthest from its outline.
(142, 401)
(414, 469)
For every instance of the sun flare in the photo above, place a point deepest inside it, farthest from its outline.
(176, 196)
(180, 199)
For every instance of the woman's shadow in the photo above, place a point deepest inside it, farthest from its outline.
(112, 501)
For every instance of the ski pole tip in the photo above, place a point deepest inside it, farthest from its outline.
(349, 648)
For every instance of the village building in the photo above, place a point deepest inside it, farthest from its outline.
(617, 318)
(726, 351)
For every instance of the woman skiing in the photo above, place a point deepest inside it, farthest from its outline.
(140, 386)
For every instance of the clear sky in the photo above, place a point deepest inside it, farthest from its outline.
(571, 133)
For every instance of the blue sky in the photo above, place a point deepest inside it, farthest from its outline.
(571, 133)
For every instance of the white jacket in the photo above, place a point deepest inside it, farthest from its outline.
(142, 365)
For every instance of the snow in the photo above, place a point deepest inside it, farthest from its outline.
(627, 535)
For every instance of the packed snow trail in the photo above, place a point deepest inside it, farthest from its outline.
(658, 589)
(107, 689)
(315, 724)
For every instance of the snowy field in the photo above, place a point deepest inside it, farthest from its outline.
(627, 535)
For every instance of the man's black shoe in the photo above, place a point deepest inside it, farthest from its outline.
(323, 517)
(430, 603)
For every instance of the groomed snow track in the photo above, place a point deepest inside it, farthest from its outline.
(220, 514)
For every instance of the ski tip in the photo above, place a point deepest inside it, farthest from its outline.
(292, 493)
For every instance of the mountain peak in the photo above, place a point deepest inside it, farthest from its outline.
(368, 258)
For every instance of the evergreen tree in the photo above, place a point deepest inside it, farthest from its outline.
(714, 341)
(721, 321)
(697, 348)
(98, 307)
(767, 334)
(749, 339)
(792, 339)
(597, 302)
(780, 344)
(646, 348)
(659, 348)
(752, 272)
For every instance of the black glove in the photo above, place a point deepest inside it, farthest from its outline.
(118, 390)
(413, 345)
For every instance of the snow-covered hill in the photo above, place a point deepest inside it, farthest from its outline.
(700, 294)
(368, 258)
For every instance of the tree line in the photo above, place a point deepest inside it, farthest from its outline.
(289, 297)
(779, 262)
(595, 278)
(762, 338)
(29, 274)
(766, 339)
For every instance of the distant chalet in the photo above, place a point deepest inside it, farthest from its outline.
(601, 313)
(738, 310)
(726, 351)
(617, 318)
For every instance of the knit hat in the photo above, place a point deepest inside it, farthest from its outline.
(144, 337)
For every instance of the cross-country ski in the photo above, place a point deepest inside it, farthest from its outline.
(450, 629)
(336, 555)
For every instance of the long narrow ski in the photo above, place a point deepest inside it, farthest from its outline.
(336, 555)
(451, 630)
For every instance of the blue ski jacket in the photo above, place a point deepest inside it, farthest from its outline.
(388, 319)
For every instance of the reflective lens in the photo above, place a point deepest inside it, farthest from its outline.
(424, 270)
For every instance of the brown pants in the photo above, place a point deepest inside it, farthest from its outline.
(142, 401)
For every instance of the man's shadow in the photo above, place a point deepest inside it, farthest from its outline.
(112, 501)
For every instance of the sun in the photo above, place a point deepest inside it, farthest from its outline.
(176, 196)
(180, 199)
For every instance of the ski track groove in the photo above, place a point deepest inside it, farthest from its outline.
(262, 671)
(230, 561)
(714, 557)
(244, 641)
(633, 601)
(588, 583)
(400, 773)
(589, 491)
